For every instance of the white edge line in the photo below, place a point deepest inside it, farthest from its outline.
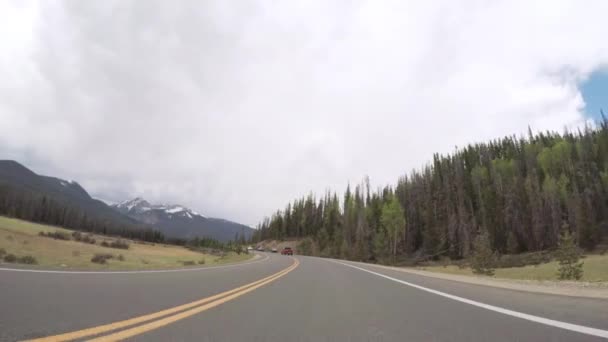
(266, 257)
(558, 324)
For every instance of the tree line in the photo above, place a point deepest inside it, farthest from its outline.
(523, 192)
(37, 207)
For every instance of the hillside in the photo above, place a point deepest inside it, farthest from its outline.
(27, 195)
(180, 222)
(522, 193)
(22, 238)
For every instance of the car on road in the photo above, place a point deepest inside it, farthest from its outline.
(260, 249)
(274, 250)
(287, 251)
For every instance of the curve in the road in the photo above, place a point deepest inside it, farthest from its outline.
(164, 317)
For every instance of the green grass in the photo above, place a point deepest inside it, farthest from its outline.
(21, 238)
(595, 269)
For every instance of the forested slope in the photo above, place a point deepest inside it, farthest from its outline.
(522, 192)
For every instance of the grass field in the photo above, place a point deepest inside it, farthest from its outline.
(595, 270)
(21, 238)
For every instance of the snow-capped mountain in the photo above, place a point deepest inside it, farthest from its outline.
(178, 221)
(139, 205)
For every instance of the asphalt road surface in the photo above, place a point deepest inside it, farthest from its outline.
(280, 298)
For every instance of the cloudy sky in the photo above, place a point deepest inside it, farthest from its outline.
(235, 107)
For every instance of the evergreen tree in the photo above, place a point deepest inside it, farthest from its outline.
(484, 259)
(568, 256)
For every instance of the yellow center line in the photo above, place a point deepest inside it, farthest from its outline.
(121, 335)
(144, 318)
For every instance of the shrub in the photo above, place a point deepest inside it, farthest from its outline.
(56, 235)
(10, 258)
(121, 257)
(201, 262)
(27, 259)
(119, 244)
(188, 263)
(101, 258)
(77, 236)
(2, 252)
(86, 238)
(524, 259)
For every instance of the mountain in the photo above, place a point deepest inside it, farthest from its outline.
(181, 222)
(27, 195)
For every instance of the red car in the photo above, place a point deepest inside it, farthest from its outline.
(287, 251)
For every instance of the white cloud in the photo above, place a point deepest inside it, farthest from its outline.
(234, 108)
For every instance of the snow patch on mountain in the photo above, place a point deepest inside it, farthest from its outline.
(174, 210)
(140, 205)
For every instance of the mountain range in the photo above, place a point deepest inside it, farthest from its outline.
(178, 221)
(173, 221)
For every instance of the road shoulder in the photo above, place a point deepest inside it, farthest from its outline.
(562, 288)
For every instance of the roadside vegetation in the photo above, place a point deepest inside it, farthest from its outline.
(27, 243)
(565, 263)
(481, 206)
(593, 269)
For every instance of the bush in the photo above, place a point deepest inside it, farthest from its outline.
(56, 235)
(201, 262)
(10, 258)
(2, 252)
(27, 259)
(86, 238)
(119, 244)
(101, 258)
(121, 257)
(524, 259)
(77, 236)
(188, 263)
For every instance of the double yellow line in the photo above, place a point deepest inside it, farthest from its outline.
(167, 316)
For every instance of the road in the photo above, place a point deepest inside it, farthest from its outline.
(280, 298)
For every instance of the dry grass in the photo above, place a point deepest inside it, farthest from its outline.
(21, 238)
(595, 269)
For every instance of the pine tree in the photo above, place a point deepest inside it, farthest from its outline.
(483, 260)
(568, 255)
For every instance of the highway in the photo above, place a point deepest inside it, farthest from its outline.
(281, 298)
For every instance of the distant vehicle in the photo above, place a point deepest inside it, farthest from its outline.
(274, 250)
(249, 248)
(260, 248)
(287, 251)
